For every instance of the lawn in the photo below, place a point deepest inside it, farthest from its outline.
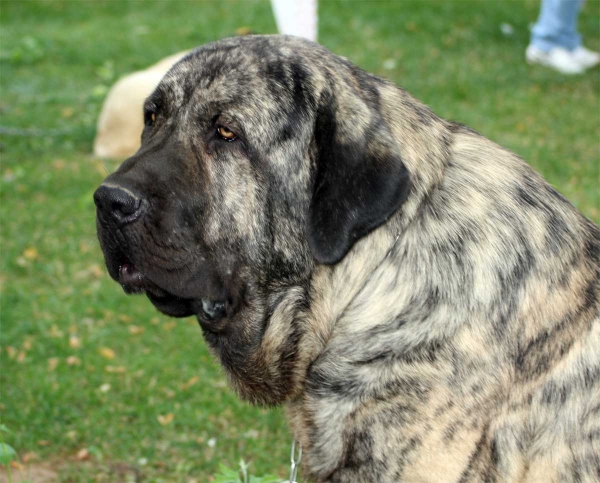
(99, 387)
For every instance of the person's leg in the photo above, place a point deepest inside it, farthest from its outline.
(557, 25)
(296, 17)
(555, 41)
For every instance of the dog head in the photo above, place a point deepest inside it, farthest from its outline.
(260, 157)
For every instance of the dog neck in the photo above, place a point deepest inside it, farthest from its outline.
(302, 319)
(335, 288)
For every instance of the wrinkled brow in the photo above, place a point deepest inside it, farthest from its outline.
(154, 101)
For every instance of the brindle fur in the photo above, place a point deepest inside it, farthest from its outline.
(422, 301)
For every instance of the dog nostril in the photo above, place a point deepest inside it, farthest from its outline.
(119, 203)
(126, 207)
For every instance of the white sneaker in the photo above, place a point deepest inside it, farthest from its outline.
(558, 59)
(587, 58)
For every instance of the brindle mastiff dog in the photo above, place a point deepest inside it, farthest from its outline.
(423, 302)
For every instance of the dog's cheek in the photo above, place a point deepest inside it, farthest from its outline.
(233, 196)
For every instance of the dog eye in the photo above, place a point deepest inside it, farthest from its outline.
(226, 133)
(149, 118)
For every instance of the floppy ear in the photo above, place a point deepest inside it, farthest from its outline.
(360, 179)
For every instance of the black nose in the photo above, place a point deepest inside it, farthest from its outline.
(118, 202)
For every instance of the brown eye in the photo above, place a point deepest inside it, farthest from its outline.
(226, 133)
(149, 118)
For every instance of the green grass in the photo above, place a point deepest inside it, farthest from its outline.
(57, 61)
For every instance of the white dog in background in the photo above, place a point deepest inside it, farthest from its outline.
(121, 121)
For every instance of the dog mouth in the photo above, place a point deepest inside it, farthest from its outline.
(209, 311)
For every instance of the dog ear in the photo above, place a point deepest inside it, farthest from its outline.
(360, 179)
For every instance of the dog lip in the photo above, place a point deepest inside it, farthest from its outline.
(172, 305)
(129, 274)
(134, 281)
(131, 279)
(213, 309)
(211, 312)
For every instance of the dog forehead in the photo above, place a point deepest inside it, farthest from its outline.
(212, 74)
(243, 67)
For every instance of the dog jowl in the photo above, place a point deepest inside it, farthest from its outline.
(422, 301)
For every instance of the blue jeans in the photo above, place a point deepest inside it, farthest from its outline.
(557, 25)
